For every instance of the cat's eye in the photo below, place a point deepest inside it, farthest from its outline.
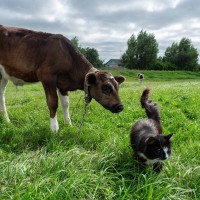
(106, 89)
(159, 150)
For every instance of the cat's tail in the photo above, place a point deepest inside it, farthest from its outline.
(149, 106)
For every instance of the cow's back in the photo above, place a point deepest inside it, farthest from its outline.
(23, 52)
(21, 45)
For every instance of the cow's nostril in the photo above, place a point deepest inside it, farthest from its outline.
(117, 108)
(120, 107)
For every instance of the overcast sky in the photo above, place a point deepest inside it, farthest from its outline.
(107, 24)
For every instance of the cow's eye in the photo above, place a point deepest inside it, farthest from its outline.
(106, 89)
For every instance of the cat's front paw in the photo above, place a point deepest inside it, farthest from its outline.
(157, 167)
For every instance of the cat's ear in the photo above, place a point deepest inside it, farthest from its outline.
(168, 137)
(150, 141)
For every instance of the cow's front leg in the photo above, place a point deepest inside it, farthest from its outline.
(52, 102)
(3, 83)
(64, 99)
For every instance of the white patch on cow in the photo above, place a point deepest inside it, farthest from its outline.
(3, 83)
(5, 33)
(148, 161)
(165, 149)
(54, 124)
(65, 107)
(109, 76)
(16, 81)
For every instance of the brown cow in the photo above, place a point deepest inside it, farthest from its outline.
(27, 56)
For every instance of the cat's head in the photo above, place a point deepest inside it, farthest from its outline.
(158, 147)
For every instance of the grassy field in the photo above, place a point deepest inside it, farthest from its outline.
(97, 162)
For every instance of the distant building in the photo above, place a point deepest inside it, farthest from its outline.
(114, 63)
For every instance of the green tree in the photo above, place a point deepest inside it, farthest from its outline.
(74, 41)
(129, 59)
(90, 53)
(141, 52)
(170, 57)
(147, 50)
(183, 55)
(93, 56)
(188, 55)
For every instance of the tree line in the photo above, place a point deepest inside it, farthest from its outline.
(142, 54)
(90, 53)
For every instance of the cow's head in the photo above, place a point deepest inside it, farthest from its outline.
(103, 87)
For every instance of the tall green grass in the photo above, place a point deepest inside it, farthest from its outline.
(97, 162)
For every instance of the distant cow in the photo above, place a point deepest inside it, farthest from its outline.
(27, 56)
(140, 78)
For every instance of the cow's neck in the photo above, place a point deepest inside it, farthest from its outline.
(92, 69)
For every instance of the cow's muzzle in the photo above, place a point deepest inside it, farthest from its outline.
(116, 108)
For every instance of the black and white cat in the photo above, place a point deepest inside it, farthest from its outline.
(151, 147)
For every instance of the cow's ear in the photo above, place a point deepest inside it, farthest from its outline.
(120, 79)
(90, 78)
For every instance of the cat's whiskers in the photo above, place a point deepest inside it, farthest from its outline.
(165, 149)
(147, 160)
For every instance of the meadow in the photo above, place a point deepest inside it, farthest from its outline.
(97, 162)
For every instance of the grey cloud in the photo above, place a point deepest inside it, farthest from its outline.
(22, 6)
(109, 20)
